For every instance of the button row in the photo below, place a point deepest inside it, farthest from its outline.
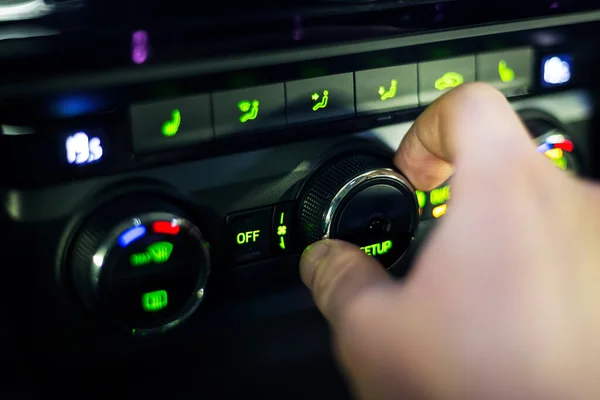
(183, 121)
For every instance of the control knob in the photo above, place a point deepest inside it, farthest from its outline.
(363, 200)
(140, 261)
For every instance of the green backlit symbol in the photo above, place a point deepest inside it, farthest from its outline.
(249, 110)
(158, 253)
(171, 127)
(320, 103)
(421, 198)
(390, 93)
(449, 80)
(506, 74)
(561, 163)
(439, 196)
(154, 301)
(281, 231)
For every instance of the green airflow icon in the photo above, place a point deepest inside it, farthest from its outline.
(157, 253)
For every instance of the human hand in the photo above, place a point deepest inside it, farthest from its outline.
(504, 300)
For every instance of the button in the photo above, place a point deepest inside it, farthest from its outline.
(376, 219)
(327, 97)
(171, 123)
(509, 71)
(150, 300)
(393, 88)
(155, 301)
(243, 110)
(284, 222)
(249, 234)
(557, 70)
(437, 77)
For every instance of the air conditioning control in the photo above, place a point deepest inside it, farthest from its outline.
(140, 261)
(551, 140)
(363, 200)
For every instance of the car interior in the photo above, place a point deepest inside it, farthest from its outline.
(165, 163)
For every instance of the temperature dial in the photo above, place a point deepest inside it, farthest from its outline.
(141, 262)
(362, 200)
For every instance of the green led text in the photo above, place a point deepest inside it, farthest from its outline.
(247, 237)
(377, 249)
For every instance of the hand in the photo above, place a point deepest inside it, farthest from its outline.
(504, 300)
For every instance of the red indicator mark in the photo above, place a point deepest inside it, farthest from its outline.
(168, 228)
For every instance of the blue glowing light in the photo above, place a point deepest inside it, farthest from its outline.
(544, 147)
(131, 235)
(75, 105)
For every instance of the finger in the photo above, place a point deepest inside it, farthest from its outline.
(339, 274)
(380, 334)
(464, 123)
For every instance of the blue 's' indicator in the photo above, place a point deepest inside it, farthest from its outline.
(131, 235)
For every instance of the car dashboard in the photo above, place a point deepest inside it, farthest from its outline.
(164, 167)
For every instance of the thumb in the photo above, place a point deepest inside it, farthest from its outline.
(339, 274)
(379, 334)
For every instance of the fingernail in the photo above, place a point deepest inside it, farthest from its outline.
(310, 259)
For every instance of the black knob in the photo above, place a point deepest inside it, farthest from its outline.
(553, 141)
(363, 200)
(140, 261)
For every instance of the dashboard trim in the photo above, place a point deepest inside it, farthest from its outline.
(136, 75)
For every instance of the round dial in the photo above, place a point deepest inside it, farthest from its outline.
(142, 262)
(552, 141)
(362, 200)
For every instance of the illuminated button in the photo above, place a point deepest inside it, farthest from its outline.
(323, 98)
(509, 71)
(421, 198)
(439, 211)
(157, 253)
(243, 110)
(249, 235)
(155, 301)
(438, 77)
(556, 70)
(393, 88)
(284, 221)
(83, 148)
(171, 123)
(376, 220)
(440, 195)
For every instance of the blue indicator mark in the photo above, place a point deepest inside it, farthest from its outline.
(131, 235)
(544, 147)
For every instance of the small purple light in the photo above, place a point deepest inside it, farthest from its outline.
(139, 47)
(554, 5)
(298, 32)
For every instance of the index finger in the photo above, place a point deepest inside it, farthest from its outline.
(460, 125)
